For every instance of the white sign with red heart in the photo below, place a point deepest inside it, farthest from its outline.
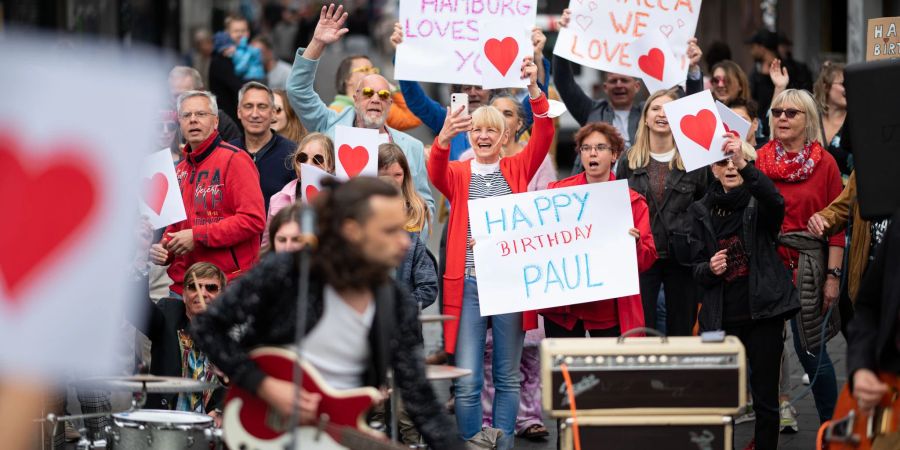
(657, 64)
(504, 44)
(697, 128)
(311, 178)
(161, 201)
(356, 152)
(733, 123)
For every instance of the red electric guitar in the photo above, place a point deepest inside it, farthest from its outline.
(852, 429)
(248, 422)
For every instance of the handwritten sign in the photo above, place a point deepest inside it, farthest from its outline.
(882, 41)
(657, 65)
(504, 44)
(601, 31)
(697, 129)
(554, 247)
(441, 38)
(161, 201)
(311, 182)
(356, 151)
(732, 122)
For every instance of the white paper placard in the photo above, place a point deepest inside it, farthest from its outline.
(732, 122)
(601, 30)
(554, 247)
(697, 129)
(656, 63)
(356, 152)
(311, 182)
(557, 108)
(161, 200)
(504, 44)
(441, 38)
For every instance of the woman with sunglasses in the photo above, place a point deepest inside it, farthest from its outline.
(745, 291)
(729, 82)
(654, 169)
(286, 123)
(808, 178)
(488, 175)
(317, 150)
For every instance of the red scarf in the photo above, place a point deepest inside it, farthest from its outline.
(781, 165)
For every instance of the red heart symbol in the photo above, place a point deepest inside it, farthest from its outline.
(700, 128)
(886, 39)
(155, 190)
(353, 159)
(311, 193)
(653, 63)
(729, 130)
(502, 53)
(30, 239)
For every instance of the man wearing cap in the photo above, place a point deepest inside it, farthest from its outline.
(764, 50)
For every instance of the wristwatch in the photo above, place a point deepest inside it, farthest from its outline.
(836, 271)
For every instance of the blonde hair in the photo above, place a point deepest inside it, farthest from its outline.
(327, 145)
(804, 101)
(417, 214)
(829, 72)
(293, 129)
(491, 117)
(639, 154)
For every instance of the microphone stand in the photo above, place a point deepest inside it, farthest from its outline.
(306, 220)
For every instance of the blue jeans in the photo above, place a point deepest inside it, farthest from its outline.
(824, 389)
(508, 340)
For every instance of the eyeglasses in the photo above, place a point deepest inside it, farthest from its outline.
(724, 162)
(318, 160)
(263, 107)
(384, 94)
(615, 81)
(168, 127)
(719, 81)
(599, 148)
(366, 70)
(212, 288)
(200, 115)
(790, 113)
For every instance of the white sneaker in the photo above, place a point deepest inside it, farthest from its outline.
(805, 379)
(746, 414)
(788, 422)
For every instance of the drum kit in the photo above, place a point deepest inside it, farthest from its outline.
(149, 429)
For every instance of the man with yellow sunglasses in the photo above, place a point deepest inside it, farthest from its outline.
(350, 72)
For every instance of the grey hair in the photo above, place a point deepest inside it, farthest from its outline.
(803, 100)
(255, 85)
(520, 110)
(190, 72)
(188, 94)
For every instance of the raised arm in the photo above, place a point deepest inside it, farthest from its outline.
(457, 122)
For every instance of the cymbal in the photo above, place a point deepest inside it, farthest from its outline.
(152, 383)
(427, 318)
(441, 372)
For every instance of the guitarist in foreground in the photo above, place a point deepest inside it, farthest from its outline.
(873, 347)
(359, 322)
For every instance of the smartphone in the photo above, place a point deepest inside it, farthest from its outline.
(457, 100)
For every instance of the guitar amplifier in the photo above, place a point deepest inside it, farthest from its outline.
(709, 432)
(643, 376)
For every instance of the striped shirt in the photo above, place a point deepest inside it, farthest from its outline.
(486, 181)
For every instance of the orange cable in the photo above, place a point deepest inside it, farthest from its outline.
(571, 393)
(821, 434)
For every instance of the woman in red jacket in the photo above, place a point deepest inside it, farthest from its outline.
(600, 144)
(488, 175)
(809, 179)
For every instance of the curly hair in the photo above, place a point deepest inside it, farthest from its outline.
(612, 135)
(343, 264)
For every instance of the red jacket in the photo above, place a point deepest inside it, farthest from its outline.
(224, 204)
(627, 312)
(452, 179)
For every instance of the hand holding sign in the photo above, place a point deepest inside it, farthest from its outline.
(697, 129)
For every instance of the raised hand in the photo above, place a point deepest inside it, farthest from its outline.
(565, 18)
(456, 122)
(779, 74)
(538, 39)
(734, 148)
(397, 35)
(694, 53)
(329, 30)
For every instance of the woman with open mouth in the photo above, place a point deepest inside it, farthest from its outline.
(654, 169)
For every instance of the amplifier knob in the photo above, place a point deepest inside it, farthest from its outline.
(569, 360)
(642, 359)
(600, 359)
(588, 359)
(620, 359)
(663, 359)
(652, 359)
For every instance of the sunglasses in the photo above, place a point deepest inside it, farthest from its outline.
(789, 113)
(366, 70)
(318, 160)
(384, 94)
(719, 81)
(724, 162)
(212, 288)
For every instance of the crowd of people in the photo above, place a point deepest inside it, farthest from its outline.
(751, 245)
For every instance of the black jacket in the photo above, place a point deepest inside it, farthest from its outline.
(161, 324)
(262, 305)
(224, 84)
(772, 293)
(273, 162)
(670, 225)
(875, 318)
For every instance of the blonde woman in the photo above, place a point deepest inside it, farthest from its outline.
(286, 122)
(653, 168)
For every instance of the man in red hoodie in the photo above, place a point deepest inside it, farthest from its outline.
(220, 189)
